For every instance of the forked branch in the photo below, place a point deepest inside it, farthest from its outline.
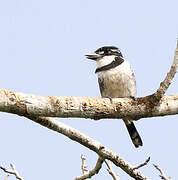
(13, 171)
(92, 172)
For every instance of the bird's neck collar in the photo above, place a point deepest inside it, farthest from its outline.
(116, 62)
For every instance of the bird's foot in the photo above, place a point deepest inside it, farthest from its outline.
(133, 98)
(111, 99)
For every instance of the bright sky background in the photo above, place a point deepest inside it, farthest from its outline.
(42, 47)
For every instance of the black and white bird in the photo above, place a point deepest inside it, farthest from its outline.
(116, 80)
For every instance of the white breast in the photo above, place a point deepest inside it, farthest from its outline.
(118, 81)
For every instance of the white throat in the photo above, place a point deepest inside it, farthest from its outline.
(104, 61)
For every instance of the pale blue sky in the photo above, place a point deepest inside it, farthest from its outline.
(42, 45)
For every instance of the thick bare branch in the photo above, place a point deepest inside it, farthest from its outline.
(88, 142)
(83, 107)
(13, 171)
(94, 171)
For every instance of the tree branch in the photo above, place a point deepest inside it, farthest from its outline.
(142, 164)
(84, 165)
(83, 107)
(13, 171)
(94, 171)
(110, 170)
(88, 142)
(162, 175)
(167, 81)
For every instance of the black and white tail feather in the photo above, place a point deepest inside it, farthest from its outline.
(116, 80)
(134, 135)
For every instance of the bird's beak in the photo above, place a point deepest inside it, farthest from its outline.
(93, 56)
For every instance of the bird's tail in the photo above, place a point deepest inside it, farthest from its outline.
(135, 137)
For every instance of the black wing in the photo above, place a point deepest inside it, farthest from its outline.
(101, 85)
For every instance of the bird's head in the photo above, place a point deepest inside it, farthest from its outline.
(104, 55)
(104, 51)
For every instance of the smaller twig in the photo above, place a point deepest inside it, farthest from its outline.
(84, 165)
(162, 175)
(110, 170)
(13, 171)
(170, 75)
(143, 164)
(94, 171)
